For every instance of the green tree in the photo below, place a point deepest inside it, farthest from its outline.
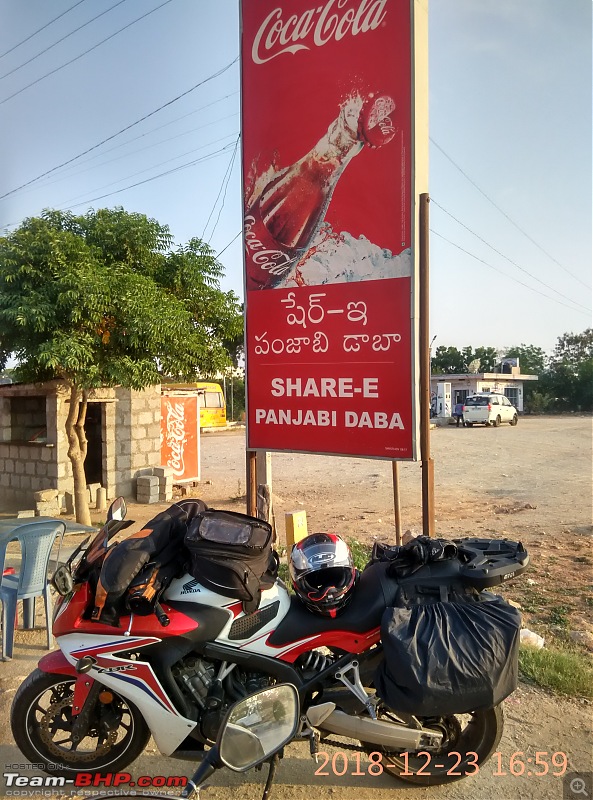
(532, 359)
(569, 377)
(101, 300)
(487, 356)
(448, 361)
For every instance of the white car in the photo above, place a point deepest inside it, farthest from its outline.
(489, 409)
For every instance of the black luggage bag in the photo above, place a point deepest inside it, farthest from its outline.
(448, 656)
(232, 554)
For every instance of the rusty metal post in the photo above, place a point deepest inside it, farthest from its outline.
(396, 502)
(428, 523)
(251, 481)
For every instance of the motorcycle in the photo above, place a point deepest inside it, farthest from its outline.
(177, 672)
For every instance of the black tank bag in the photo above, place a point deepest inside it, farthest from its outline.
(231, 554)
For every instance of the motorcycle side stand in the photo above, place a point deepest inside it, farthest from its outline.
(271, 775)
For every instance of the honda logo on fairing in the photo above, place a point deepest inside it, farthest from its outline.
(190, 587)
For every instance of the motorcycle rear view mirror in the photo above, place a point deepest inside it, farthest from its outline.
(62, 580)
(259, 726)
(117, 510)
(254, 730)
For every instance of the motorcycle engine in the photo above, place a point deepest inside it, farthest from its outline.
(197, 679)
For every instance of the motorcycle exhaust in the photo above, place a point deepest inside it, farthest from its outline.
(373, 731)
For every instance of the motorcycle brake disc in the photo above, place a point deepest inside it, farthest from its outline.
(46, 723)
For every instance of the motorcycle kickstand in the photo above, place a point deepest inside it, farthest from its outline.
(271, 775)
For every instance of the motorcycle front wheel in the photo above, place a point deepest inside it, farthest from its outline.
(41, 720)
(468, 742)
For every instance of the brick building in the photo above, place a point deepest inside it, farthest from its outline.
(122, 428)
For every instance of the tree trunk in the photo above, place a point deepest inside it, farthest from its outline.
(77, 447)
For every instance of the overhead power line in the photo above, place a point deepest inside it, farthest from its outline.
(166, 125)
(504, 274)
(193, 163)
(510, 260)
(506, 216)
(76, 58)
(223, 185)
(102, 164)
(228, 245)
(49, 47)
(43, 27)
(154, 166)
(118, 133)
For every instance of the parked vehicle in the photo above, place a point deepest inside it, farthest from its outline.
(210, 400)
(147, 648)
(489, 409)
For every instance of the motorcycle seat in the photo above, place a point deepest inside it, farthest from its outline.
(374, 591)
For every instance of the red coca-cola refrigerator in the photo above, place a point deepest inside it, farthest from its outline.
(332, 168)
(180, 435)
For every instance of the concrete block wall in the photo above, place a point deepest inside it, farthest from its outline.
(25, 467)
(130, 443)
(138, 441)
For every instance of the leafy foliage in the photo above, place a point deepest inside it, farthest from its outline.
(98, 300)
(569, 377)
(532, 359)
(451, 361)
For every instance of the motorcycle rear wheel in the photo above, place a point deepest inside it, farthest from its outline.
(469, 741)
(41, 721)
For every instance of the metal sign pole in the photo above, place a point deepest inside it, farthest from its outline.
(428, 523)
(396, 502)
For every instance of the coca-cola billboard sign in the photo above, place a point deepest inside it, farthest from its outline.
(328, 236)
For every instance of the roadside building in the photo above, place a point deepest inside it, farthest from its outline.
(507, 379)
(123, 428)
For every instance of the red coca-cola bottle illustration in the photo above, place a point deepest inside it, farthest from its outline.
(283, 219)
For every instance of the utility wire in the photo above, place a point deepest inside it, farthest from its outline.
(155, 166)
(481, 260)
(43, 27)
(155, 177)
(49, 47)
(228, 245)
(118, 133)
(164, 125)
(512, 221)
(94, 47)
(510, 260)
(220, 210)
(223, 185)
(135, 153)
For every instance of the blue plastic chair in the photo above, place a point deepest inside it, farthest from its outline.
(36, 539)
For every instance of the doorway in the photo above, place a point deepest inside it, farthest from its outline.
(93, 428)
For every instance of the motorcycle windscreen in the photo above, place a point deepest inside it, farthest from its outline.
(448, 657)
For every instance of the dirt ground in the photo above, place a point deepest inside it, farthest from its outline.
(532, 483)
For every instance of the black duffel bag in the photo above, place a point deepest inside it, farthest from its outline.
(448, 657)
(232, 554)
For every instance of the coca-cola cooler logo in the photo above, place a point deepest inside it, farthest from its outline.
(317, 26)
(176, 437)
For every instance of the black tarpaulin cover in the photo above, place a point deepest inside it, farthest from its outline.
(448, 657)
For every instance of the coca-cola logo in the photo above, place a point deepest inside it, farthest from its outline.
(320, 25)
(176, 437)
(275, 262)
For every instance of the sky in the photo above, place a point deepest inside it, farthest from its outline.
(136, 103)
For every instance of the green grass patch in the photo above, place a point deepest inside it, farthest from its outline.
(561, 671)
(360, 553)
(559, 615)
